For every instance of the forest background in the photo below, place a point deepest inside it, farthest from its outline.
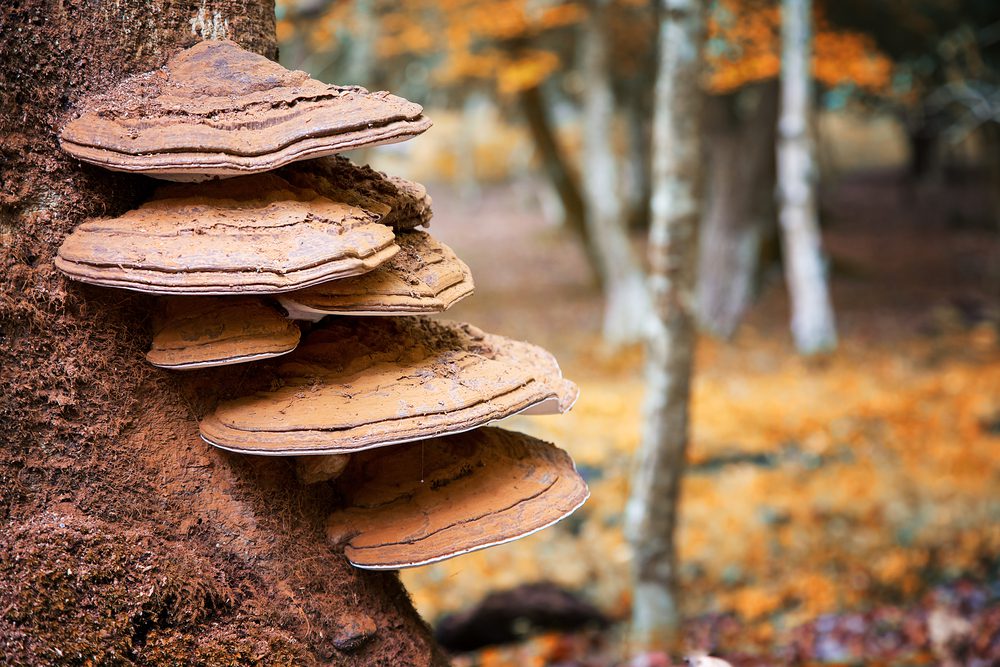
(834, 502)
(838, 468)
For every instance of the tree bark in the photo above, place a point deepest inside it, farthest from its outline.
(559, 171)
(677, 163)
(626, 301)
(126, 539)
(739, 204)
(812, 313)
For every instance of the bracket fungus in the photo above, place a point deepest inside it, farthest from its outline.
(403, 204)
(425, 276)
(540, 363)
(435, 499)
(253, 235)
(359, 383)
(199, 332)
(320, 235)
(217, 110)
(316, 469)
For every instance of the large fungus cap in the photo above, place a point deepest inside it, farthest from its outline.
(358, 383)
(252, 235)
(543, 366)
(217, 110)
(402, 203)
(424, 277)
(198, 332)
(431, 500)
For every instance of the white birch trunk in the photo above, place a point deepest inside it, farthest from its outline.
(651, 515)
(812, 314)
(626, 307)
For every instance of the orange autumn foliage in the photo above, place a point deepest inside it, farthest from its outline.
(802, 480)
(744, 46)
(474, 41)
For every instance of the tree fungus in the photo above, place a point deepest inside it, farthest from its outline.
(253, 235)
(323, 236)
(199, 332)
(424, 277)
(356, 383)
(216, 110)
(430, 500)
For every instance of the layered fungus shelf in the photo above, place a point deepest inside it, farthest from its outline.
(274, 246)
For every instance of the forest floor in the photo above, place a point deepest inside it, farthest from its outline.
(834, 507)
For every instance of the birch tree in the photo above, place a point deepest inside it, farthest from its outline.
(626, 300)
(812, 314)
(676, 208)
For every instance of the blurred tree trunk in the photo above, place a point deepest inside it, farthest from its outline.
(638, 112)
(638, 165)
(559, 172)
(812, 313)
(361, 54)
(673, 246)
(739, 203)
(626, 301)
(991, 132)
(126, 539)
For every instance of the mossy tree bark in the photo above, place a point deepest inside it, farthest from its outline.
(127, 540)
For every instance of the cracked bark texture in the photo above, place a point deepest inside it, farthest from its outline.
(126, 539)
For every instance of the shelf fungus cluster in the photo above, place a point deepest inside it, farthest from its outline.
(273, 246)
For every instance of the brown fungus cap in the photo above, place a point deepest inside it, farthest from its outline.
(402, 203)
(251, 235)
(199, 332)
(317, 469)
(424, 277)
(217, 110)
(543, 366)
(435, 499)
(359, 383)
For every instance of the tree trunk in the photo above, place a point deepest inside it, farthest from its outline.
(812, 314)
(559, 172)
(673, 237)
(126, 539)
(626, 305)
(991, 132)
(364, 35)
(639, 182)
(739, 205)
(638, 108)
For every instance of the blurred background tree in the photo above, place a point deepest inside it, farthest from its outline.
(561, 92)
(529, 60)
